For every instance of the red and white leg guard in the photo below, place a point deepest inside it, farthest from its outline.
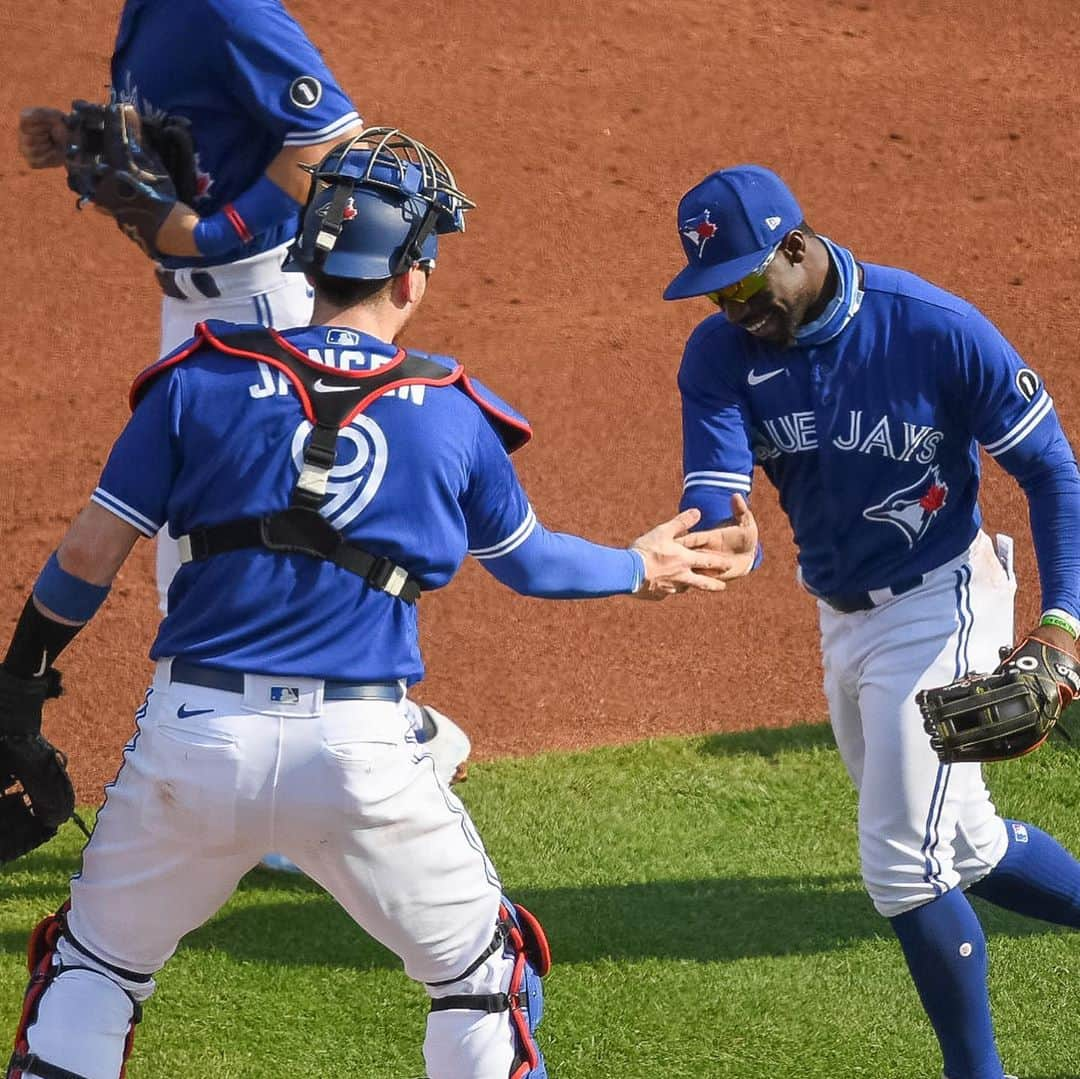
(79, 1013)
(483, 1023)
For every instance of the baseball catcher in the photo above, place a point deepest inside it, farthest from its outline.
(133, 168)
(1004, 714)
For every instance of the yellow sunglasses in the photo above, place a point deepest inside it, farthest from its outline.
(748, 286)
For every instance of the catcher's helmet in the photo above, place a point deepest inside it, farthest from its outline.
(377, 204)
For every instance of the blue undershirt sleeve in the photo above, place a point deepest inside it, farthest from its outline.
(1051, 481)
(718, 459)
(1012, 415)
(556, 565)
(260, 208)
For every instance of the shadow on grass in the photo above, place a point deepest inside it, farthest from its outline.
(769, 742)
(697, 920)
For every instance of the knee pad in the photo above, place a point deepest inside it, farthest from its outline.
(51, 972)
(524, 943)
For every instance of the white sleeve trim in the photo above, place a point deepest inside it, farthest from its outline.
(1040, 409)
(309, 138)
(125, 512)
(737, 481)
(513, 541)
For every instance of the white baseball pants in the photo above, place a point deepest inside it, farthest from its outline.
(210, 782)
(924, 827)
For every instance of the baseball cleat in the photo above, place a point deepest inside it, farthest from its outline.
(278, 863)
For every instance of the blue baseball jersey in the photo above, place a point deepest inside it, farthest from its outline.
(872, 437)
(421, 477)
(249, 80)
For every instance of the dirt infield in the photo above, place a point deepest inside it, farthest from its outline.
(936, 136)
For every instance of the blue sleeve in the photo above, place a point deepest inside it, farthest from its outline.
(506, 538)
(718, 460)
(281, 77)
(143, 462)
(1013, 417)
(1004, 401)
(1053, 493)
(555, 565)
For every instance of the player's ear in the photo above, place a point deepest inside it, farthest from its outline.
(402, 289)
(794, 246)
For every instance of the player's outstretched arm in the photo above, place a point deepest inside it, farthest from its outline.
(558, 565)
(42, 137)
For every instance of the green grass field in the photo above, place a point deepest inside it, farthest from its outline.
(705, 912)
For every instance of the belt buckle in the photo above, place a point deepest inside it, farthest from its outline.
(387, 576)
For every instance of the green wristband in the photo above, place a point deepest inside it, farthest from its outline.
(1060, 623)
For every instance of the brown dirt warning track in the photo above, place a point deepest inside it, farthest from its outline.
(936, 136)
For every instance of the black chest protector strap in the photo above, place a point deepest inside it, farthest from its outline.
(331, 399)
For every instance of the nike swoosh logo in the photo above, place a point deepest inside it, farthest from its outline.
(756, 380)
(322, 387)
(183, 713)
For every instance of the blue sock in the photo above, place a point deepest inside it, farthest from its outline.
(945, 950)
(1037, 877)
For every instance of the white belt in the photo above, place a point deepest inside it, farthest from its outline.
(245, 277)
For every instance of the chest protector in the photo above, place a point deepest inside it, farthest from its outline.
(331, 399)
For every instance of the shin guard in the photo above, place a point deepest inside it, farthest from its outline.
(45, 968)
(524, 943)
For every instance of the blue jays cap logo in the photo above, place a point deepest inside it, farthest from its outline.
(699, 230)
(913, 509)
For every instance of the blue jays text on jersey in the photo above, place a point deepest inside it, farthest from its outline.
(249, 80)
(871, 435)
(421, 477)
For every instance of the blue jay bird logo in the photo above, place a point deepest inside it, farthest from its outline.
(912, 509)
(699, 231)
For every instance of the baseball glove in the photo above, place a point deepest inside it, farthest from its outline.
(36, 795)
(111, 163)
(1005, 714)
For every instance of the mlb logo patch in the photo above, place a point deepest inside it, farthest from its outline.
(1020, 833)
(342, 337)
(284, 695)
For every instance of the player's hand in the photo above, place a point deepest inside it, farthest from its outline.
(42, 137)
(671, 566)
(734, 542)
(1056, 638)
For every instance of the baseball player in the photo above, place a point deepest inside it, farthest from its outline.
(864, 393)
(261, 103)
(319, 480)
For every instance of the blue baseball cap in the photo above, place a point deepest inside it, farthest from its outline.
(728, 224)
